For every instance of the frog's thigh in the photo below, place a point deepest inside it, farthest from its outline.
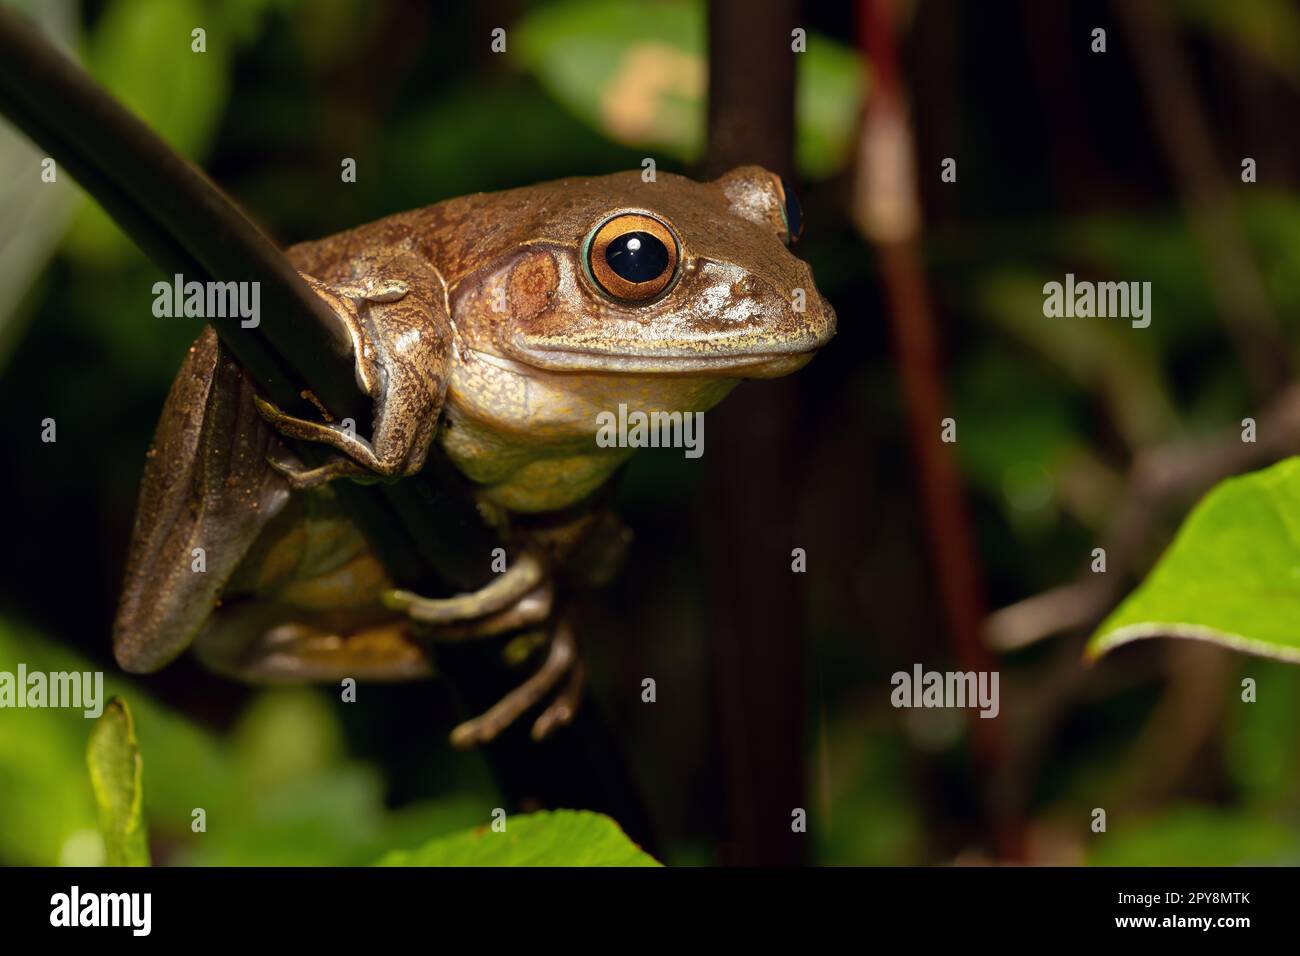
(268, 643)
(206, 494)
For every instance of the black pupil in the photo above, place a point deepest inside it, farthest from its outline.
(637, 256)
(793, 213)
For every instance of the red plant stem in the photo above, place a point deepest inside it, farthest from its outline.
(889, 215)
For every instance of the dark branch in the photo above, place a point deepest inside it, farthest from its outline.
(425, 528)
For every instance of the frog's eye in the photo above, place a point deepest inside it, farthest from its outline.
(632, 257)
(791, 210)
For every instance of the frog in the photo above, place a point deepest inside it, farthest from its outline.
(496, 327)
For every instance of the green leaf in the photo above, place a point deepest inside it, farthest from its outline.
(830, 88)
(50, 816)
(638, 73)
(142, 51)
(115, 775)
(1193, 835)
(1231, 576)
(549, 838)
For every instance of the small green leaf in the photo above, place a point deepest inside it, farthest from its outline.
(549, 838)
(1231, 576)
(115, 771)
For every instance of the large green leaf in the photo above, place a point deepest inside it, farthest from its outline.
(115, 775)
(549, 838)
(1231, 576)
(637, 72)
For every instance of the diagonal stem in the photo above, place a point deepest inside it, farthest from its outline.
(424, 528)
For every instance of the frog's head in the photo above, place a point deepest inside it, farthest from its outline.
(615, 274)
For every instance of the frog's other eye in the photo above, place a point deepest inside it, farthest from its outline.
(791, 210)
(632, 257)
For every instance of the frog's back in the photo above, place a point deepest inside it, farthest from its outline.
(457, 236)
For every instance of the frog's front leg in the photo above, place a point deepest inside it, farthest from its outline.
(394, 318)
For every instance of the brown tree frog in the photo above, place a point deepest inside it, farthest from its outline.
(500, 325)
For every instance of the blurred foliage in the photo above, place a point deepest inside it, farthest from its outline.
(279, 789)
(136, 54)
(1268, 30)
(1199, 836)
(639, 73)
(35, 219)
(870, 821)
(1263, 740)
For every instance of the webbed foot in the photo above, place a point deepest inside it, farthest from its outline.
(519, 598)
(301, 478)
(358, 450)
(561, 673)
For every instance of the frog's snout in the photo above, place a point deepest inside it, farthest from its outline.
(808, 320)
(827, 324)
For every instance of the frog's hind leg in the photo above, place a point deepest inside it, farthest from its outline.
(269, 643)
(206, 494)
(263, 643)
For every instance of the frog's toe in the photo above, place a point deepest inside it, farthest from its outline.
(342, 439)
(523, 576)
(564, 707)
(302, 479)
(561, 659)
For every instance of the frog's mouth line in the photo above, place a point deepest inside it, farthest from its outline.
(747, 365)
